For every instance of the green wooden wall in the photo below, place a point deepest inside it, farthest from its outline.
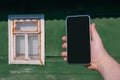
(107, 20)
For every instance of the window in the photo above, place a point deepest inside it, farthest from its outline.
(26, 39)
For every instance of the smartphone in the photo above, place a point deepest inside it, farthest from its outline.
(78, 39)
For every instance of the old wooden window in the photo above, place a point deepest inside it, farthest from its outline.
(26, 39)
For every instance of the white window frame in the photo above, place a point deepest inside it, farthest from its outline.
(12, 32)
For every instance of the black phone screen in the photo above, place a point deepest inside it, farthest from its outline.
(78, 39)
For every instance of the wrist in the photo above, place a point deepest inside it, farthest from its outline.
(102, 62)
(108, 68)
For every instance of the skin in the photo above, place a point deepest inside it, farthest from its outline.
(100, 59)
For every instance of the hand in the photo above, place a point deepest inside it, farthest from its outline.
(97, 48)
(100, 59)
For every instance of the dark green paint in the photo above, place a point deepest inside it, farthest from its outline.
(107, 20)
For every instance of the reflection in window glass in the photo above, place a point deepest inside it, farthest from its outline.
(20, 46)
(26, 26)
(33, 46)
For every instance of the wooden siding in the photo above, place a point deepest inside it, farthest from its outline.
(108, 25)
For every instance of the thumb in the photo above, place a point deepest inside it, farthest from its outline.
(94, 34)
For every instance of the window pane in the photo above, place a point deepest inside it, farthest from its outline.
(26, 26)
(20, 46)
(33, 46)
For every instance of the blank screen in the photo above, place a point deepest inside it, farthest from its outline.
(78, 39)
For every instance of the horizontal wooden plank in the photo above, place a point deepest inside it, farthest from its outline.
(29, 76)
(52, 71)
(55, 68)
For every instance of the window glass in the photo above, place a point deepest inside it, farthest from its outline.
(20, 46)
(26, 26)
(33, 46)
